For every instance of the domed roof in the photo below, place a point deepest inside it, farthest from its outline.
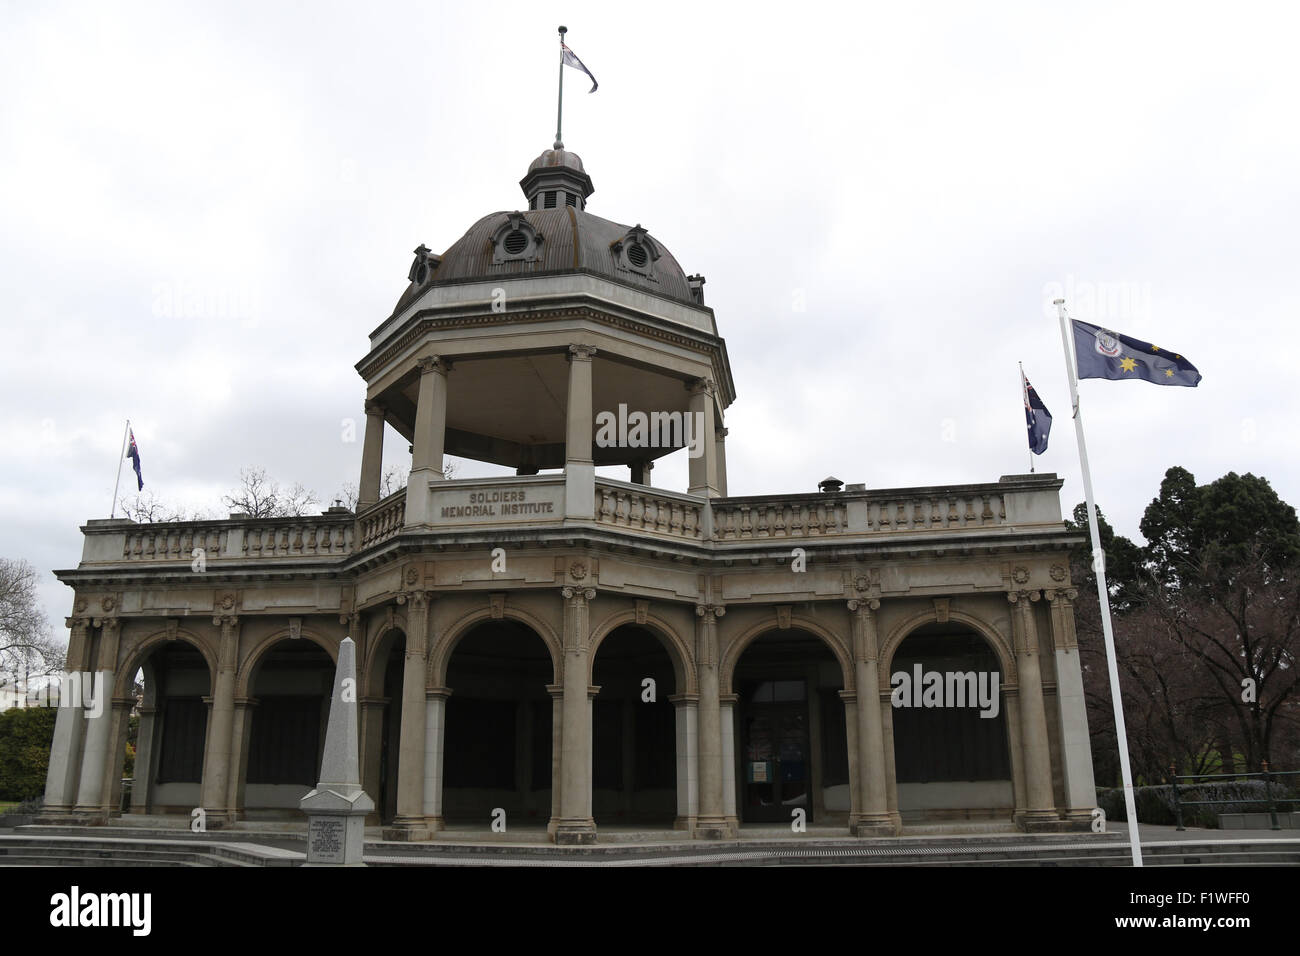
(570, 241)
(557, 157)
(555, 235)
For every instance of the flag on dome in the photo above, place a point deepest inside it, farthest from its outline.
(569, 58)
(1101, 353)
(134, 455)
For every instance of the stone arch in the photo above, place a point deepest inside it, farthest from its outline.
(736, 647)
(441, 651)
(678, 651)
(991, 635)
(378, 644)
(138, 654)
(253, 659)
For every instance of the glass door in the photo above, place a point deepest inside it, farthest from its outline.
(775, 771)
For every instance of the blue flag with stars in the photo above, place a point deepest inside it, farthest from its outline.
(1101, 353)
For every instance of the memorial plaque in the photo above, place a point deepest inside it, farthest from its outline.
(505, 503)
(325, 837)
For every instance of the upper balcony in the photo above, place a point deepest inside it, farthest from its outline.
(1017, 506)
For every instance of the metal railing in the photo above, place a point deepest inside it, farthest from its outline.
(1192, 779)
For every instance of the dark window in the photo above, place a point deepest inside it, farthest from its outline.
(285, 744)
(543, 711)
(607, 756)
(185, 722)
(656, 745)
(485, 730)
(835, 740)
(550, 200)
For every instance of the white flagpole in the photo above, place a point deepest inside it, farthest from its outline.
(1103, 594)
(121, 455)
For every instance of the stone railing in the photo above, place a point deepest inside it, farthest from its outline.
(952, 508)
(382, 521)
(782, 518)
(314, 536)
(639, 508)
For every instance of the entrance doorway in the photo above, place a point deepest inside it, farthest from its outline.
(776, 766)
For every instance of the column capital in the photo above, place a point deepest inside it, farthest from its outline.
(373, 407)
(864, 605)
(1061, 595)
(433, 363)
(579, 352)
(697, 385)
(719, 434)
(710, 610)
(224, 621)
(1023, 597)
(578, 596)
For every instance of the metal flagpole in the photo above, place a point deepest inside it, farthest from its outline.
(1103, 594)
(1024, 392)
(121, 454)
(559, 107)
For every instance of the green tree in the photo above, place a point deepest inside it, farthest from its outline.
(26, 734)
(1224, 564)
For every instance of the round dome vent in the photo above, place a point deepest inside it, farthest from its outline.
(516, 243)
(636, 255)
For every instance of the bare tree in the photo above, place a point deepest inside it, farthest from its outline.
(147, 507)
(260, 496)
(395, 479)
(27, 643)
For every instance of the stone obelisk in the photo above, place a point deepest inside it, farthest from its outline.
(336, 810)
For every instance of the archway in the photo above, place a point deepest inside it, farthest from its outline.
(290, 684)
(161, 748)
(499, 727)
(791, 731)
(634, 752)
(952, 759)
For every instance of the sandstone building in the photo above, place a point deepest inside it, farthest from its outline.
(583, 652)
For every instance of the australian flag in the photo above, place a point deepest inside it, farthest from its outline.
(1037, 418)
(1101, 353)
(569, 58)
(134, 455)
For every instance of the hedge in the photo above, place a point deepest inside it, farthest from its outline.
(25, 737)
(1155, 805)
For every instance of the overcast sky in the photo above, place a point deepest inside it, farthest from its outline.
(206, 208)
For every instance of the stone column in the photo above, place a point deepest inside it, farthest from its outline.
(239, 756)
(91, 797)
(372, 742)
(64, 770)
(703, 467)
(1076, 752)
(873, 817)
(117, 734)
(372, 456)
(720, 450)
(640, 470)
(686, 711)
(576, 824)
(557, 754)
(430, 438)
(727, 713)
(435, 711)
(409, 822)
(579, 467)
(712, 821)
(1039, 813)
(216, 777)
(142, 782)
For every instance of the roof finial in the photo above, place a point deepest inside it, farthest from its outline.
(559, 109)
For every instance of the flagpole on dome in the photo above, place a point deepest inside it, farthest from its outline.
(559, 108)
(1103, 592)
(121, 456)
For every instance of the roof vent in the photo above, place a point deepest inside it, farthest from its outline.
(828, 485)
